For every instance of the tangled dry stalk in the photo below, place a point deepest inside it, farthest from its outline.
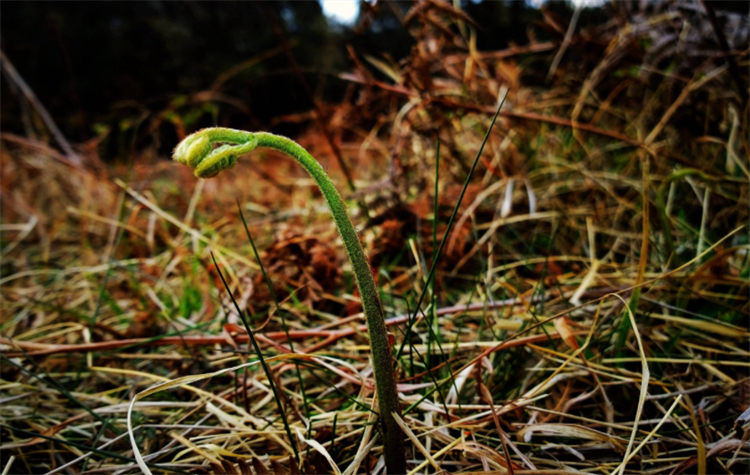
(589, 314)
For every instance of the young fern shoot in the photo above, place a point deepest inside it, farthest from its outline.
(197, 152)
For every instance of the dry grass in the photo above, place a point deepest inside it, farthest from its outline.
(590, 312)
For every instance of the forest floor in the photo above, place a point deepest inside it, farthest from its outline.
(589, 312)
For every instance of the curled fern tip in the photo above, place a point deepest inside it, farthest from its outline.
(197, 151)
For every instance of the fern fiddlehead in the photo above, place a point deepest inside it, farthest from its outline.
(197, 152)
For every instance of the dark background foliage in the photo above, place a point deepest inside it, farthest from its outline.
(100, 68)
(99, 65)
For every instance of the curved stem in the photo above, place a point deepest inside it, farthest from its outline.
(196, 152)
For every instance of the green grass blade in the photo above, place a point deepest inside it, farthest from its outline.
(278, 311)
(251, 336)
(452, 218)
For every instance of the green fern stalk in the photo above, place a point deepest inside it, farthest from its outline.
(197, 152)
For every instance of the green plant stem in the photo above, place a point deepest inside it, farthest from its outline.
(661, 203)
(197, 152)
